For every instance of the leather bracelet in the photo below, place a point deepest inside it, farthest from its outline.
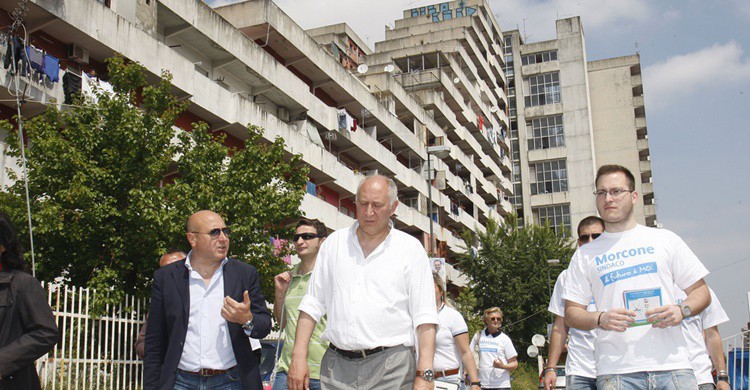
(548, 369)
(599, 320)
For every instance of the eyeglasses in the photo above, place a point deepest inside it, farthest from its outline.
(615, 193)
(589, 237)
(305, 236)
(495, 319)
(215, 233)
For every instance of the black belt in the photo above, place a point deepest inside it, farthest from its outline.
(208, 371)
(358, 354)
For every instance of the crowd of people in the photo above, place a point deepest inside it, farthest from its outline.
(365, 309)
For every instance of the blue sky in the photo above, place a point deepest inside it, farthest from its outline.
(695, 57)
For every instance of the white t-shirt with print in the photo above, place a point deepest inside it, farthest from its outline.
(692, 329)
(452, 324)
(639, 266)
(491, 348)
(580, 360)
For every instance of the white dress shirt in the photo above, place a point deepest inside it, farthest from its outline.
(207, 341)
(374, 301)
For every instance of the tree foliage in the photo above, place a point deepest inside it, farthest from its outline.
(112, 184)
(508, 268)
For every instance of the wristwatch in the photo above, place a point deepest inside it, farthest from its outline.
(475, 384)
(248, 326)
(722, 376)
(427, 375)
(685, 310)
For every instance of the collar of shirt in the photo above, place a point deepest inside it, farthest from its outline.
(189, 265)
(353, 237)
(498, 333)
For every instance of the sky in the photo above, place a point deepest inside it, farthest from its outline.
(695, 59)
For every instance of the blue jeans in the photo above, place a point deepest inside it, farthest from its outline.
(576, 382)
(231, 380)
(280, 382)
(649, 380)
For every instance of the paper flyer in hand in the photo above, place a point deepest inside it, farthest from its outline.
(641, 301)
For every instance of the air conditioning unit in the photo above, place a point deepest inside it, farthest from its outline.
(283, 114)
(78, 53)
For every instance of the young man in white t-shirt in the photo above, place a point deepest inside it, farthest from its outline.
(630, 272)
(706, 351)
(580, 365)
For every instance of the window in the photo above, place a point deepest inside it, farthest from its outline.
(545, 133)
(517, 198)
(558, 216)
(543, 89)
(548, 177)
(516, 172)
(535, 58)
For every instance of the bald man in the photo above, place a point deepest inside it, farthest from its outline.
(203, 309)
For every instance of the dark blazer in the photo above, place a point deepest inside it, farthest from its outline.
(168, 322)
(27, 329)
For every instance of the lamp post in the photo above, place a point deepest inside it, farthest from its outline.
(550, 263)
(440, 151)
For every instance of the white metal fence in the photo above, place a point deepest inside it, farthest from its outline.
(737, 348)
(93, 352)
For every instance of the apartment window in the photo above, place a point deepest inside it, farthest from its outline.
(512, 111)
(542, 89)
(508, 41)
(514, 150)
(516, 172)
(517, 198)
(558, 216)
(548, 177)
(545, 133)
(535, 58)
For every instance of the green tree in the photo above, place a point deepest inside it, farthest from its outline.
(112, 183)
(508, 268)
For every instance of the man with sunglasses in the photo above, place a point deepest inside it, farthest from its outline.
(374, 284)
(580, 366)
(203, 309)
(630, 271)
(291, 286)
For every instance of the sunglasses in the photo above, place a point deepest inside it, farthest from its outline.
(305, 236)
(589, 237)
(215, 233)
(494, 319)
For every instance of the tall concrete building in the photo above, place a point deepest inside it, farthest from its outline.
(433, 89)
(568, 116)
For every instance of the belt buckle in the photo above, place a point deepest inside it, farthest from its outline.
(205, 372)
(364, 354)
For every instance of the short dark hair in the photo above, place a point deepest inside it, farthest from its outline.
(588, 221)
(12, 258)
(320, 228)
(612, 168)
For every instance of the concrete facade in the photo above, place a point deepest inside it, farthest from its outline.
(569, 116)
(249, 63)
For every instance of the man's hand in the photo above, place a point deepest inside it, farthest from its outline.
(298, 377)
(665, 316)
(550, 379)
(421, 384)
(281, 282)
(237, 312)
(618, 319)
(498, 363)
(721, 385)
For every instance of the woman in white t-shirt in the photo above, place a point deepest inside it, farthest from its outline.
(452, 342)
(497, 356)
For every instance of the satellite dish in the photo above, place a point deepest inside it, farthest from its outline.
(456, 80)
(538, 340)
(362, 69)
(532, 351)
(390, 68)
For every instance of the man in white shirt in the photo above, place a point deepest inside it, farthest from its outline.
(580, 365)
(704, 344)
(374, 284)
(630, 272)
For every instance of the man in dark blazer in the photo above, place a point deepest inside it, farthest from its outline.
(203, 309)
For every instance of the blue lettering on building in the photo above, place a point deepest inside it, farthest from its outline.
(629, 272)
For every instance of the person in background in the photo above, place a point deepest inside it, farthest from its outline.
(580, 366)
(170, 257)
(497, 356)
(27, 326)
(452, 342)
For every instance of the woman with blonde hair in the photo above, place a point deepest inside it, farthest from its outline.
(497, 356)
(452, 342)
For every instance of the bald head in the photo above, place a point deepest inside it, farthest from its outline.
(170, 257)
(197, 220)
(379, 182)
